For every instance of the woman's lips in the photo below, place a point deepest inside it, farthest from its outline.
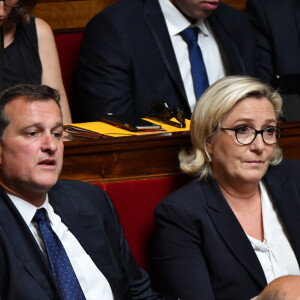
(255, 162)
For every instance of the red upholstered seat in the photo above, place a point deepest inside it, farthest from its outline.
(68, 45)
(135, 202)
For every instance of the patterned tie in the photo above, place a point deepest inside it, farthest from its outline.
(190, 36)
(58, 259)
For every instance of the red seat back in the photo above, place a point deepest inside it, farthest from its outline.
(135, 202)
(68, 45)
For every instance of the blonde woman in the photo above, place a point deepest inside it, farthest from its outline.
(236, 227)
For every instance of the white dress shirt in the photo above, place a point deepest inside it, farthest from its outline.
(211, 52)
(93, 283)
(275, 253)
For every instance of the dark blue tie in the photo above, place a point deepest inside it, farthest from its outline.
(190, 36)
(58, 259)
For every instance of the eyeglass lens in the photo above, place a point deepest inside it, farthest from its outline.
(246, 135)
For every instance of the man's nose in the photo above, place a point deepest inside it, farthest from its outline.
(49, 143)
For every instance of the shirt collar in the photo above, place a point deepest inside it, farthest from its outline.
(176, 22)
(26, 209)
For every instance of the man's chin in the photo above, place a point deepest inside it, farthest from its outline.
(46, 185)
(43, 186)
(203, 14)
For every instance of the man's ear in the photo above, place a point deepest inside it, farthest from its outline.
(209, 145)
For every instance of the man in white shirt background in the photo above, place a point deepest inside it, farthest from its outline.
(133, 52)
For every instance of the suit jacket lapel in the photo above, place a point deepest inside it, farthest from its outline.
(232, 54)
(286, 198)
(26, 248)
(157, 25)
(232, 232)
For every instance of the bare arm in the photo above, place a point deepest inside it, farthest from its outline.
(50, 63)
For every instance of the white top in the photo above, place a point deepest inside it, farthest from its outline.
(211, 52)
(275, 253)
(93, 283)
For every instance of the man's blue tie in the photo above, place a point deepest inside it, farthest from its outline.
(190, 36)
(58, 259)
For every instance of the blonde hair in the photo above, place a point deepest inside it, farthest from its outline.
(215, 103)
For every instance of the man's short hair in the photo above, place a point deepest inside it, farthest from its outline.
(29, 92)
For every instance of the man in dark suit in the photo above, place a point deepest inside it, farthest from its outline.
(132, 53)
(277, 30)
(79, 222)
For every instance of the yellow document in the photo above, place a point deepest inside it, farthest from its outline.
(100, 129)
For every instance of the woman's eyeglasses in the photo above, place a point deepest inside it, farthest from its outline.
(246, 135)
(12, 3)
(160, 111)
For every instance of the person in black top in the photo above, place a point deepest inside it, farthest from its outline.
(28, 49)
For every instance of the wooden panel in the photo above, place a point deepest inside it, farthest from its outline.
(142, 157)
(120, 159)
(64, 16)
(290, 140)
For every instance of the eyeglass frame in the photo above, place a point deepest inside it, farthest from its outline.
(261, 132)
(20, 3)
